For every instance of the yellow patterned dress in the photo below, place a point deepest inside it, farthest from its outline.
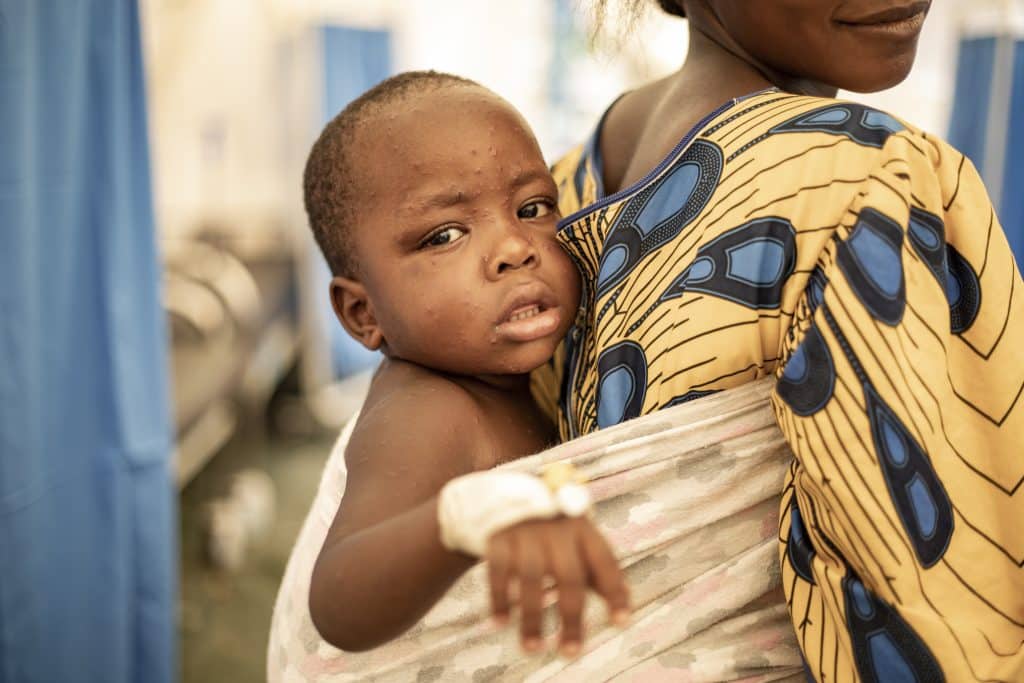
(859, 261)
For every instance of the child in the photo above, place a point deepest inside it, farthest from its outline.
(431, 201)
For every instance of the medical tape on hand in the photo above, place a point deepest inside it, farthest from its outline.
(474, 506)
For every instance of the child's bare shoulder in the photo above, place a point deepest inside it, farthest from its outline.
(416, 432)
(417, 420)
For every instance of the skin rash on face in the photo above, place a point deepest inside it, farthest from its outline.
(455, 236)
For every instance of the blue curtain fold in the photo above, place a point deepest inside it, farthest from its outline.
(354, 61)
(969, 127)
(87, 503)
(1011, 211)
(971, 99)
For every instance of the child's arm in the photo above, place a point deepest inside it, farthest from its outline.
(382, 565)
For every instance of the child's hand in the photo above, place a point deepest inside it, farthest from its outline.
(571, 551)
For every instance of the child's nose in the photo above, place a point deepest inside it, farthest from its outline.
(513, 250)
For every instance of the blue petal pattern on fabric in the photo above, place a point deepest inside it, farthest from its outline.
(612, 262)
(835, 115)
(889, 665)
(622, 383)
(796, 367)
(672, 194)
(885, 648)
(878, 258)
(816, 288)
(615, 390)
(914, 487)
(925, 234)
(759, 262)
(809, 376)
(870, 260)
(863, 125)
(951, 270)
(963, 289)
(952, 289)
(861, 601)
(879, 119)
(700, 270)
(925, 513)
(658, 213)
(747, 265)
(798, 546)
(895, 448)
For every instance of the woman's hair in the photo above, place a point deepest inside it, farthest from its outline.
(634, 8)
(674, 7)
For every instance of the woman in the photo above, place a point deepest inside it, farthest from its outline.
(733, 222)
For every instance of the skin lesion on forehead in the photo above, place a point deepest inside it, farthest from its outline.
(498, 155)
(444, 199)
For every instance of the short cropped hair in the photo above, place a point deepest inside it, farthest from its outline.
(328, 181)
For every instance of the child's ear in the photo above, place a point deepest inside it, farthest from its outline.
(355, 312)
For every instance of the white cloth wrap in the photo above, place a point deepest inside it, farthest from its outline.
(688, 499)
(472, 507)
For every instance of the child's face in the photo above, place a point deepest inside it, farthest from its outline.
(455, 239)
(861, 45)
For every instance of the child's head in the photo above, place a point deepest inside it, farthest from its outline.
(861, 45)
(434, 208)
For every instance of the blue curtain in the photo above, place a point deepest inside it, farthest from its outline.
(354, 61)
(87, 550)
(1011, 211)
(969, 127)
(972, 93)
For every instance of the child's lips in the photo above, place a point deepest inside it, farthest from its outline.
(531, 313)
(532, 322)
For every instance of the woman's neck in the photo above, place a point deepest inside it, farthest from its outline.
(719, 64)
(648, 122)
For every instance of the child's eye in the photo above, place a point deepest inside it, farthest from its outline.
(443, 236)
(536, 209)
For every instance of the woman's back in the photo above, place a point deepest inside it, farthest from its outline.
(859, 261)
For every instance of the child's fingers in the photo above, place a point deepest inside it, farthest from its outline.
(499, 571)
(570, 575)
(605, 572)
(530, 569)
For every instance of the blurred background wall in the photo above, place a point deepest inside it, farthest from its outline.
(236, 87)
(262, 376)
(238, 91)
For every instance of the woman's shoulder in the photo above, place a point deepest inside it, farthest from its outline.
(786, 145)
(773, 143)
(844, 121)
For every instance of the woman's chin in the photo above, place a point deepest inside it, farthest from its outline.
(894, 72)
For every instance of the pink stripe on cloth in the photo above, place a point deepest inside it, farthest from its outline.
(688, 498)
